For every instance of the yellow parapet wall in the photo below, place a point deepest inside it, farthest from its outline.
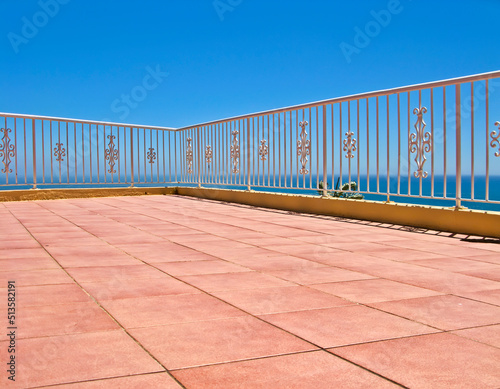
(463, 221)
(52, 194)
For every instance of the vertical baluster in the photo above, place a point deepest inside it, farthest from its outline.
(284, 147)
(269, 148)
(487, 154)
(104, 147)
(458, 114)
(472, 140)
(367, 145)
(388, 151)
(399, 144)
(15, 148)
(317, 149)
(274, 152)
(175, 157)
(248, 153)
(67, 157)
(378, 145)
(51, 157)
(409, 163)
(158, 158)
(132, 178)
(333, 146)
(34, 150)
(358, 145)
(91, 172)
(349, 140)
(444, 143)
(340, 144)
(291, 149)
(325, 161)
(25, 153)
(98, 154)
(432, 142)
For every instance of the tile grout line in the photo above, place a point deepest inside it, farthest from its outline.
(260, 319)
(249, 313)
(95, 301)
(359, 304)
(259, 271)
(99, 379)
(347, 251)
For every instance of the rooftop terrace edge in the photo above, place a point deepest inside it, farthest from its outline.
(452, 220)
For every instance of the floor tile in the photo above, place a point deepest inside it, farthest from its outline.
(154, 380)
(438, 280)
(23, 253)
(489, 274)
(50, 320)
(456, 264)
(307, 251)
(401, 254)
(430, 361)
(489, 334)
(79, 357)
(486, 296)
(277, 262)
(375, 290)
(35, 277)
(171, 309)
(313, 370)
(490, 257)
(345, 325)
(443, 312)
(187, 345)
(51, 295)
(11, 244)
(200, 267)
(83, 256)
(117, 288)
(252, 252)
(275, 300)
(234, 281)
(33, 263)
(104, 273)
(316, 275)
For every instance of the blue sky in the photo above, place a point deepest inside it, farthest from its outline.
(187, 62)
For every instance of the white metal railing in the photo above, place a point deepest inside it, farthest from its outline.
(47, 151)
(427, 142)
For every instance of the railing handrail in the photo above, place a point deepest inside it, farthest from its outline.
(354, 97)
(358, 96)
(96, 122)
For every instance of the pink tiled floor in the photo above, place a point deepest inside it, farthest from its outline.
(172, 292)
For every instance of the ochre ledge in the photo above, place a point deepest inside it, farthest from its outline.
(52, 194)
(463, 221)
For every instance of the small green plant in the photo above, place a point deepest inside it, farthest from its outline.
(344, 192)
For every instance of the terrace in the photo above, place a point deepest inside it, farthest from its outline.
(213, 256)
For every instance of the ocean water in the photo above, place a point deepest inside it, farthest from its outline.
(439, 191)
